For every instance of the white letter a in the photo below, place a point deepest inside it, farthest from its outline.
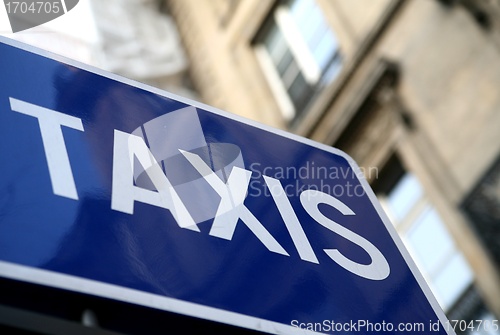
(125, 193)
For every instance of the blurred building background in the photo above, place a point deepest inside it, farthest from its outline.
(406, 86)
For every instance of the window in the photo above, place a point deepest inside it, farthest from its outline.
(425, 236)
(299, 54)
(432, 248)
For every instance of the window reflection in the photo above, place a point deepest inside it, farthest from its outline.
(431, 246)
(427, 239)
(404, 196)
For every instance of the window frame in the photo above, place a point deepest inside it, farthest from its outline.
(316, 77)
(404, 226)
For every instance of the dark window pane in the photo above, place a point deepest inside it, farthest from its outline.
(285, 62)
(275, 44)
(290, 75)
(300, 93)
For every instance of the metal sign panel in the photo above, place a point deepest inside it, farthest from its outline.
(116, 189)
